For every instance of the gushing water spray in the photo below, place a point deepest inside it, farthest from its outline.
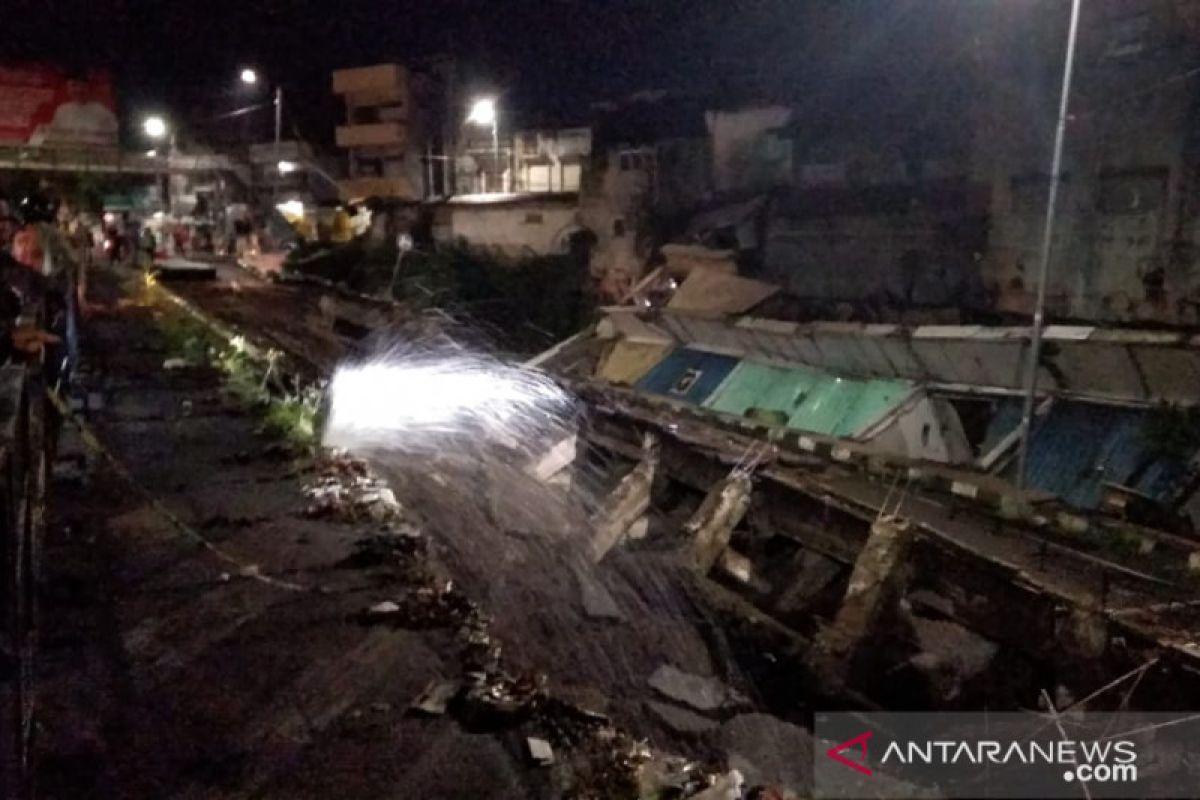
(457, 434)
(421, 400)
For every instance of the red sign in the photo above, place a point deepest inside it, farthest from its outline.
(46, 106)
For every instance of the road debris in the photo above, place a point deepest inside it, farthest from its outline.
(540, 751)
(701, 694)
(436, 697)
(680, 719)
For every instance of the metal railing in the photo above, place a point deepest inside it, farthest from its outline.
(22, 521)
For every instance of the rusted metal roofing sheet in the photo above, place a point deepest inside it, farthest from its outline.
(710, 292)
(629, 361)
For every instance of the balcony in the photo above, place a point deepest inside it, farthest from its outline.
(378, 134)
(362, 188)
(381, 78)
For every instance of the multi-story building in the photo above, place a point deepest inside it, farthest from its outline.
(389, 131)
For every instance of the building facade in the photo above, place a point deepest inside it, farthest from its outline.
(389, 131)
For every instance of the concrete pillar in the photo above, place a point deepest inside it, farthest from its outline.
(711, 527)
(876, 586)
(627, 504)
(556, 459)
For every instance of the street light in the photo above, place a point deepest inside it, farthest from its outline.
(484, 112)
(155, 127)
(287, 167)
(249, 76)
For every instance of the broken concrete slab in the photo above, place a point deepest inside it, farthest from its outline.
(597, 601)
(768, 751)
(700, 693)
(540, 751)
(679, 719)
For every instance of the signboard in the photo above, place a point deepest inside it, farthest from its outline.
(42, 105)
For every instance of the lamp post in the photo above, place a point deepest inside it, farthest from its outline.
(484, 112)
(156, 128)
(249, 77)
(1039, 312)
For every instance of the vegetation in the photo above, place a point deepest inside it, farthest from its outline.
(1173, 433)
(535, 301)
(286, 413)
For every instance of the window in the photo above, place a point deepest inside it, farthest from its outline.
(529, 144)
(618, 228)
(533, 218)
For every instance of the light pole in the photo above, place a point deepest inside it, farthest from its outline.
(1039, 312)
(249, 77)
(484, 112)
(156, 128)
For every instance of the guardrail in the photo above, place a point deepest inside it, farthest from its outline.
(22, 521)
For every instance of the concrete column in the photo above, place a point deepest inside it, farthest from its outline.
(711, 527)
(627, 504)
(876, 586)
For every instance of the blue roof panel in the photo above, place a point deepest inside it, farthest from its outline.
(690, 375)
(1077, 448)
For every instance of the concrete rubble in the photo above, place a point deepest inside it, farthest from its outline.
(768, 752)
(702, 694)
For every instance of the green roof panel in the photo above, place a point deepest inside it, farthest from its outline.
(806, 399)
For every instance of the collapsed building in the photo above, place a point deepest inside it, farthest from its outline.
(847, 491)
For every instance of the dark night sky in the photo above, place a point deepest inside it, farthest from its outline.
(545, 55)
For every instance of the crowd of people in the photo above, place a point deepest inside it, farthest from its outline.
(46, 252)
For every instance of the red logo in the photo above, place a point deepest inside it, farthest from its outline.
(859, 742)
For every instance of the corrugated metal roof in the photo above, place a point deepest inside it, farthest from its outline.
(843, 407)
(689, 375)
(1078, 447)
(765, 388)
(629, 361)
(808, 399)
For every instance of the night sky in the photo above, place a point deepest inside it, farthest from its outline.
(548, 57)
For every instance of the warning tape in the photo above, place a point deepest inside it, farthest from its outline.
(92, 441)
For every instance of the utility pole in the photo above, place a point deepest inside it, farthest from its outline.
(1039, 313)
(496, 151)
(278, 141)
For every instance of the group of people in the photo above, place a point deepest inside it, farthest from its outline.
(45, 254)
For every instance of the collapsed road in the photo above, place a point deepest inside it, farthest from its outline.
(708, 578)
